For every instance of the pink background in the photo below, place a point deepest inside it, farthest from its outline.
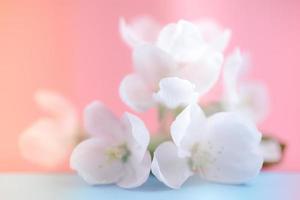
(74, 47)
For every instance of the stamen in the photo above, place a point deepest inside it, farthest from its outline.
(200, 157)
(120, 152)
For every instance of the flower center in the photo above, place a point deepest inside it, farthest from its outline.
(119, 152)
(200, 157)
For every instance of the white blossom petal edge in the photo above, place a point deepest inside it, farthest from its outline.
(139, 31)
(223, 148)
(145, 29)
(175, 92)
(117, 152)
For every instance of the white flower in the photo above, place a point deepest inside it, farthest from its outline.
(249, 99)
(223, 148)
(116, 153)
(49, 140)
(179, 51)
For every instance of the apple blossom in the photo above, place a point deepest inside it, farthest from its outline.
(117, 150)
(179, 51)
(223, 148)
(49, 140)
(249, 99)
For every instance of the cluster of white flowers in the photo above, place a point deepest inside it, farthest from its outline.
(174, 66)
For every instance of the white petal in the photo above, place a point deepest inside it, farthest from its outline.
(271, 150)
(137, 135)
(254, 101)
(175, 92)
(53, 103)
(136, 172)
(248, 99)
(217, 37)
(204, 73)
(129, 35)
(101, 122)
(221, 42)
(187, 128)
(135, 92)
(58, 107)
(140, 31)
(168, 167)
(182, 40)
(234, 66)
(45, 143)
(92, 163)
(152, 64)
(232, 150)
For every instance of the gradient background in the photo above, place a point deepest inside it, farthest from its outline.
(73, 46)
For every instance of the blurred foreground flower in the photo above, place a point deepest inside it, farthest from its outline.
(223, 148)
(50, 139)
(116, 153)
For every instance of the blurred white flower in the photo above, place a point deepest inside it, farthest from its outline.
(180, 50)
(116, 153)
(223, 148)
(249, 99)
(49, 140)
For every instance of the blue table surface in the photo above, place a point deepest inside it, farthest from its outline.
(13, 186)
